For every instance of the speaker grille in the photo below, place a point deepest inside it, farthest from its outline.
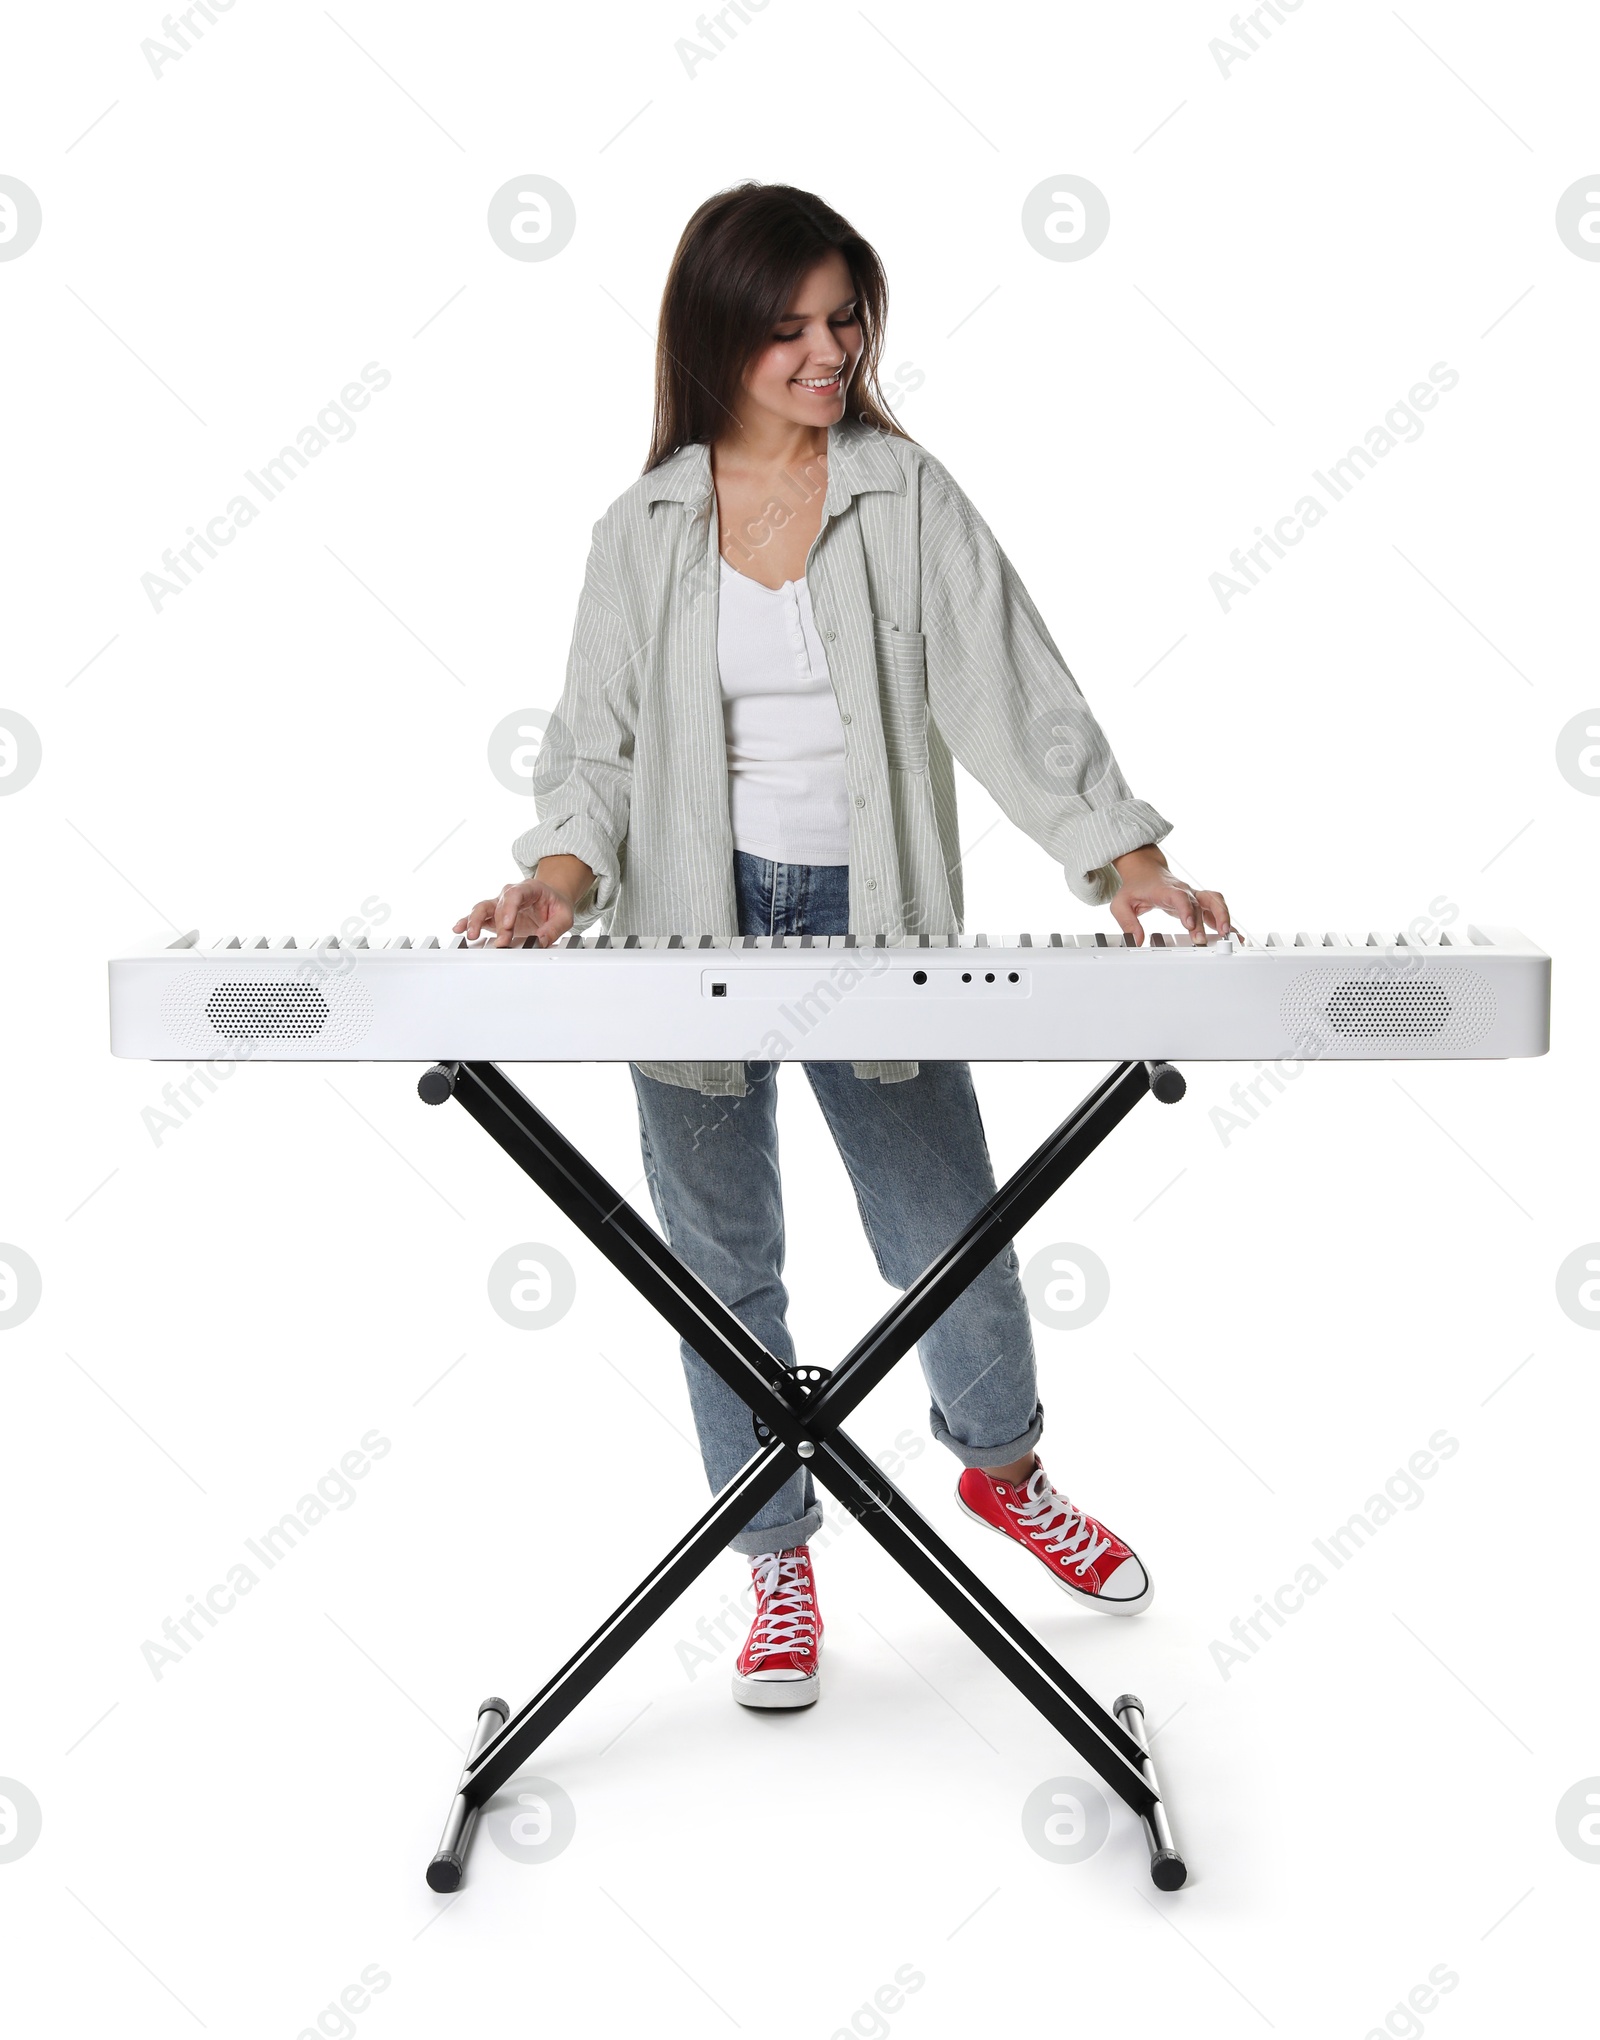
(271, 1011)
(1348, 1008)
(253, 1012)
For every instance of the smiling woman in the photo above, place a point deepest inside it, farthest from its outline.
(791, 626)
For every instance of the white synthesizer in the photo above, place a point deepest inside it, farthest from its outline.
(1477, 992)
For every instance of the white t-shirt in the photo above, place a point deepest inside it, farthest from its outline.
(786, 777)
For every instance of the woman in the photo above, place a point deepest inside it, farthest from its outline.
(788, 626)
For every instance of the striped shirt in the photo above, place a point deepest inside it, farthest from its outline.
(935, 650)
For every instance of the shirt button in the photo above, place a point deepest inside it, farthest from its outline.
(830, 635)
(872, 885)
(845, 717)
(861, 800)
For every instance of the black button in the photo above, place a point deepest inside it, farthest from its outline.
(919, 977)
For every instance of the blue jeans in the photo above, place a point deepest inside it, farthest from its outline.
(919, 1165)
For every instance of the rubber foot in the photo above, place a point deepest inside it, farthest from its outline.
(1167, 1870)
(444, 1873)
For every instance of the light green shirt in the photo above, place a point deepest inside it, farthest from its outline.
(934, 648)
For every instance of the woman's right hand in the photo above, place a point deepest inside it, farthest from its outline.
(529, 907)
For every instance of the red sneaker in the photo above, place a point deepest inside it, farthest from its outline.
(778, 1665)
(1086, 1558)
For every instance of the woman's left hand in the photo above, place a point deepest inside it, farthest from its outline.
(1147, 884)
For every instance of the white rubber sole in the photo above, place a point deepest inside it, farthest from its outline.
(777, 1692)
(1097, 1602)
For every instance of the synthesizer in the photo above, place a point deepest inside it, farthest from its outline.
(1468, 993)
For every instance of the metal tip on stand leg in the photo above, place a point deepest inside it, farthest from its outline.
(1166, 1082)
(436, 1085)
(1167, 1869)
(449, 1863)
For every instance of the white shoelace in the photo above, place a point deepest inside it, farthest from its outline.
(786, 1618)
(1038, 1513)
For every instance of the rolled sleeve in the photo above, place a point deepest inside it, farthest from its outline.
(1106, 832)
(1006, 704)
(583, 782)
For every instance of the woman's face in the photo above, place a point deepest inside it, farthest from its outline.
(805, 368)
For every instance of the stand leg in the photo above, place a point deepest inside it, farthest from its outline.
(756, 1482)
(1167, 1869)
(635, 1249)
(1017, 1200)
(913, 1543)
(450, 1858)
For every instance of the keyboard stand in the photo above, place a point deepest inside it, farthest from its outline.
(797, 1417)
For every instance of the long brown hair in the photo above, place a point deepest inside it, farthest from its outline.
(738, 261)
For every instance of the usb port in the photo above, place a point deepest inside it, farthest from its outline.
(719, 991)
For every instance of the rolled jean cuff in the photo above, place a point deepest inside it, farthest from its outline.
(784, 1538)
(988, 1455)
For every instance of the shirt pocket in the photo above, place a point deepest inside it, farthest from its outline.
(902, 694)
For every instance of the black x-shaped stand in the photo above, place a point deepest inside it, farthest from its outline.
(797, 1418)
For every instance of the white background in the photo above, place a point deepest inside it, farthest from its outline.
(227, 1310)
